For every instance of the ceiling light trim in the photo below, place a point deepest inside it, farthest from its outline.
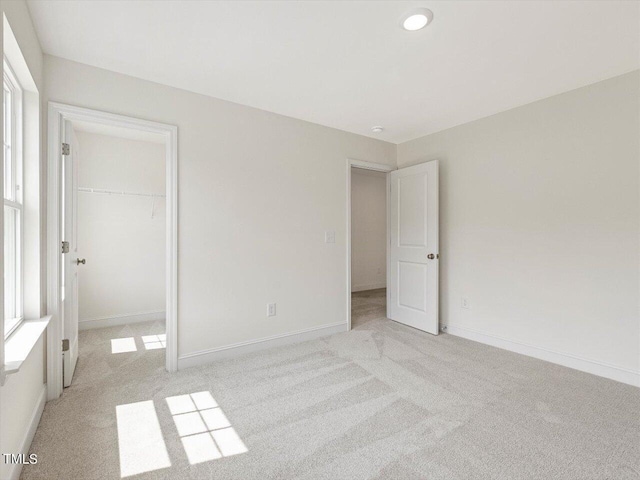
(406, 21)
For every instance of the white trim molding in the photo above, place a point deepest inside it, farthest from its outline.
(16, 469)
(204, 357)
(58, 113)
(378, 167)
(601, 369)
(121, 319)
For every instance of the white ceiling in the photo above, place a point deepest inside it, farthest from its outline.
(347, 64)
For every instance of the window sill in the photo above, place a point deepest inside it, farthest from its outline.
(20, 343)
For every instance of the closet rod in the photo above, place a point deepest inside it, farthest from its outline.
(116, 192)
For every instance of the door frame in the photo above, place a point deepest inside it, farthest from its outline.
(57, 114)
(378, 167)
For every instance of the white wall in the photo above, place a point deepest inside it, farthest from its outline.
(540, 221)
(368, 229)
(123, 245)
(22, 396)
(257, 191)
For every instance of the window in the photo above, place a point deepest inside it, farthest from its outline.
(12, 164)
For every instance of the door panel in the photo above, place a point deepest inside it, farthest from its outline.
(413, 238)
(412, 283)
(411, 202)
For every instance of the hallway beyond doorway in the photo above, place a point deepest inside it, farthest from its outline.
(368, 305)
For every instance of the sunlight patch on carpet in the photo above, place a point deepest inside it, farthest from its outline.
(204, 429)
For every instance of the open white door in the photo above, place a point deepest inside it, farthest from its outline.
(412, 278)
(70, 260)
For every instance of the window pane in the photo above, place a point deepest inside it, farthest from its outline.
(7, 158)
(7, 171)
(12, 308)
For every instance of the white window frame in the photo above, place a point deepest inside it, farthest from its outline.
(10, 79)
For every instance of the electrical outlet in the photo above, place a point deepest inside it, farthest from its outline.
(330, 237)
(464, 303)
(271, 309)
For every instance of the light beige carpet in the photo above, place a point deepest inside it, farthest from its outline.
(383, 401)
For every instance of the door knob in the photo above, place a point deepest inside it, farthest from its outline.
(81, 261)
(431, 256)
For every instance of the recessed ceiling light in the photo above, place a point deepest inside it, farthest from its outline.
(417, 19)
(377, 129)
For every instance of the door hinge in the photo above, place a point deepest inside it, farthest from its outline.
(65, 247)
(66, 149)
(65, 345)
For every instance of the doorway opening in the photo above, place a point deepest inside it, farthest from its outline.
(368, 245)
(112, 243)
(117, 246)
(367, 241)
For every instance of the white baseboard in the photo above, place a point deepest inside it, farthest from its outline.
(16, 469)
(601, 369)
(207, 356)
(371, 286)
(122, 319)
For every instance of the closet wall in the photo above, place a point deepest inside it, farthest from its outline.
(368, 229)
(122, 236)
